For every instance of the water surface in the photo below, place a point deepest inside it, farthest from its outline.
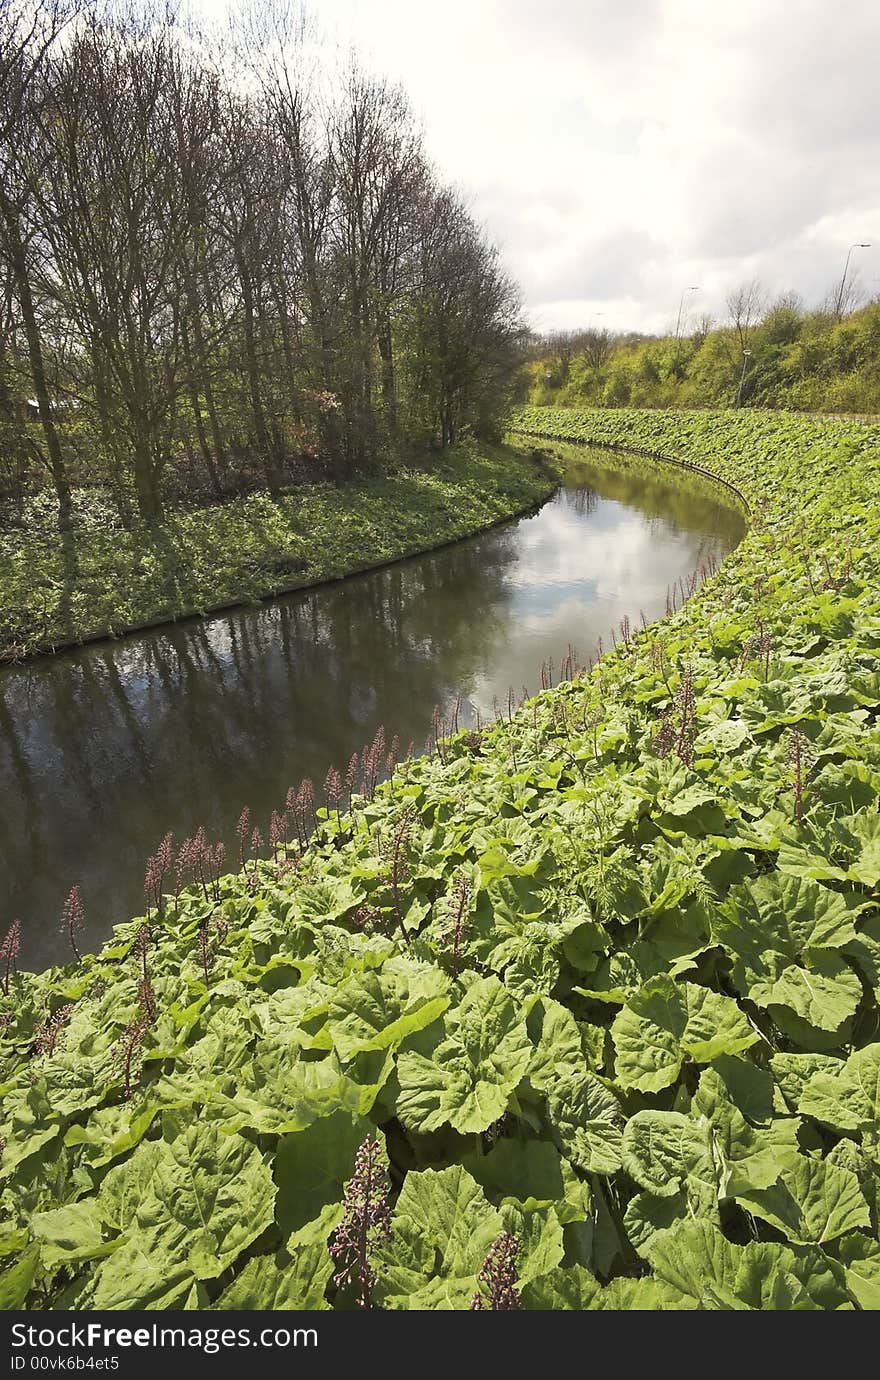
(104, 748)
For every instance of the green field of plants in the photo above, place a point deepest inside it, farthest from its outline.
(105, 578)
(578, 1012)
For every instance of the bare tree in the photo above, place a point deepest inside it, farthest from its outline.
(596, 347)
(702, 329)
(115, 215)
(466, 328)
(745, 306)
(843, 297)
(27, 37)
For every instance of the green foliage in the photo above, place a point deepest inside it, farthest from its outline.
(656, 1063)
(809, 361)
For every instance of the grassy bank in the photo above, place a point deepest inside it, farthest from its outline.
(108, 579)
(592, 994)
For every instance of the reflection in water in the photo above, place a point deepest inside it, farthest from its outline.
(103, 749)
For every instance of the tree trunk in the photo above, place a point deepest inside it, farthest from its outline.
(195, 403)
(148, 498)
(386, 354)
(207, 390)
(261, 430)
(18, 264)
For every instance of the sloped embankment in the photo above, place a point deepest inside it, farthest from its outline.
(602, 982)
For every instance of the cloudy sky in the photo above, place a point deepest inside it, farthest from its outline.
(619, 151)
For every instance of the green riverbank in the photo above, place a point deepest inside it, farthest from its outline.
(108, 580)
(595, 989)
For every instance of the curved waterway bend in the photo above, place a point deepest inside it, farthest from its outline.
(105, 748)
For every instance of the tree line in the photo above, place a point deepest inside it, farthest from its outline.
(767, 352)
(214, 274)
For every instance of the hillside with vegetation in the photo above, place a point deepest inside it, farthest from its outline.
(777, 356)
(577, 1011)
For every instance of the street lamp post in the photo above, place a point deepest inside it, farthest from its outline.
(684, 291)
(842, 288)
(747, 354)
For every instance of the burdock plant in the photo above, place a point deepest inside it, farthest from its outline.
(797, 756)
(73, 919)
(213, 929)
(758, 648)
(126, 1049)
(257, 846)
(159, 866)
(351, 776)
(301, 805)
(372, 759)
(453, 934)
(365, 1225)
(278, 834)
(687, 722)
(395, 852)
(333, 793)
(677, 727)
(50, 1035)
(146, 995)
(243, 829)
(10, 948)
(499, 1277)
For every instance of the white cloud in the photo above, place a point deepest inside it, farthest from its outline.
(619, 152)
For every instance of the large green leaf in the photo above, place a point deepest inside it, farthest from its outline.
(849, 1097)
(666, 1023)
(473, 1071)
(443, 1228)
(298, 1282)
(26, 1132)
(539, 1236)
(666, 1152)
(207, 1197)
(792, 1073)
(860, 1254)
(587, 1122)
(790, 915)
(824, 996)
(113, 1131)
(126, 1184)
(865, 832)
(516, 935)
(782, 933)
(576, 1290)
(647, 1213)
(811, 1202)
(17, 1279)
(71, 1233)
(377, 1010)
(749, 1087)
(559, 1051)
(312, 1166)
(710, 1273)
(530, 1172)
(744, 1156)
(865, 951)
(279, 1093)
